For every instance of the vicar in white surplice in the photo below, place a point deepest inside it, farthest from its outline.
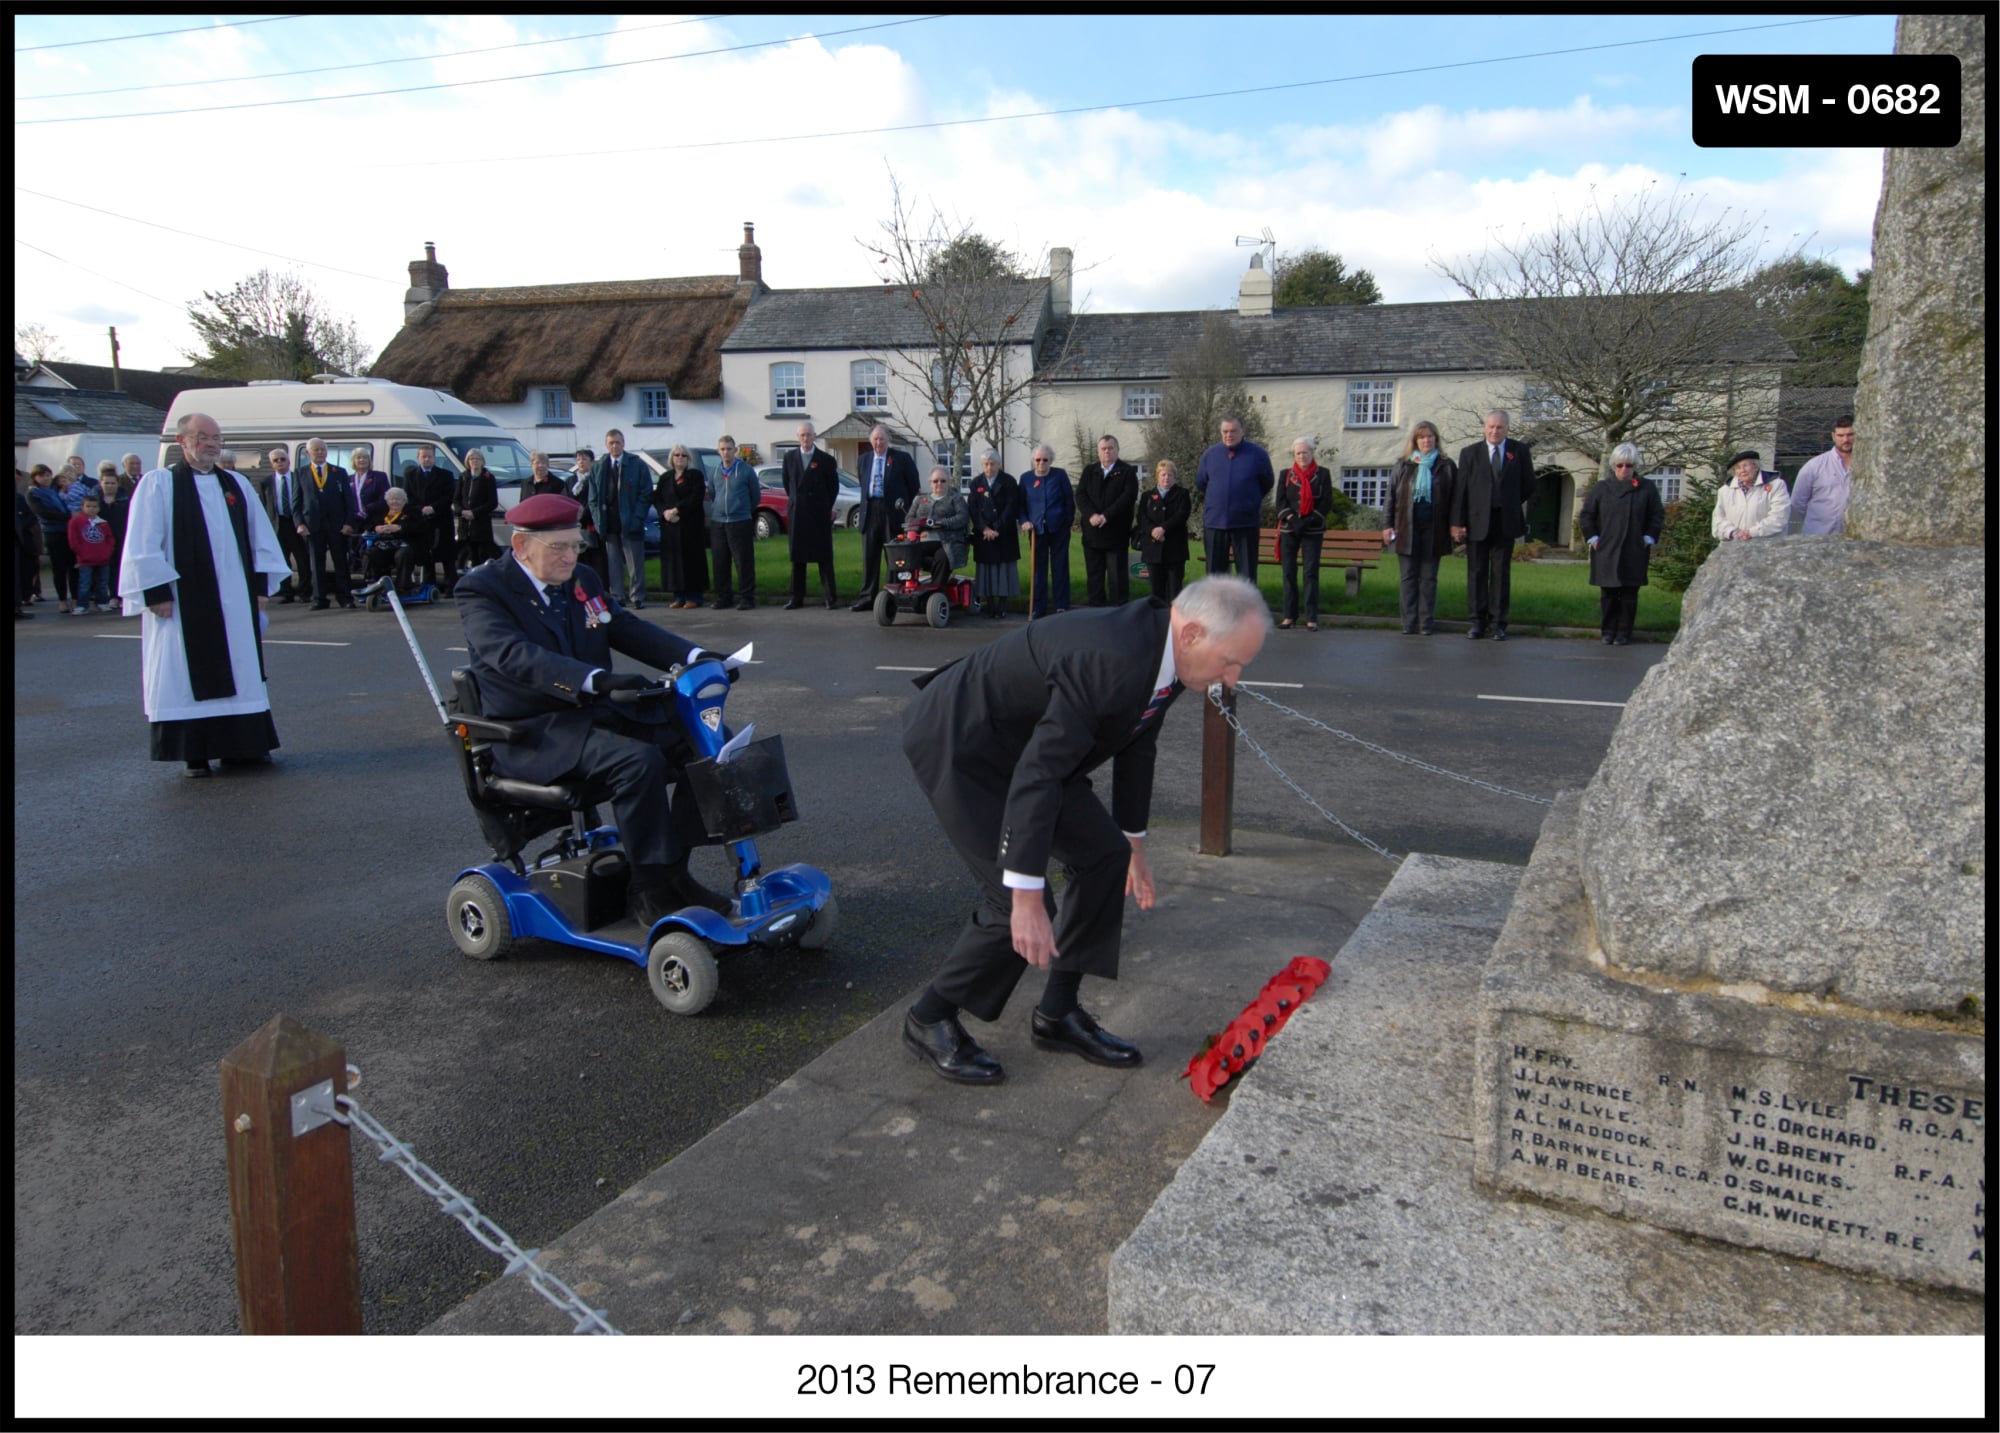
(201, 559)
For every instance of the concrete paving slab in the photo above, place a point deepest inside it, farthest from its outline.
(1335, 1195)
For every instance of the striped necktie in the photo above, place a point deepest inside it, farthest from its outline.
(1157, 704)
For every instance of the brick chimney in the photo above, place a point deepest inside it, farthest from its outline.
(1253, 298)
(750, 258)
(1061, 264)
(428, 281)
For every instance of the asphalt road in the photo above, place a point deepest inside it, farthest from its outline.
(159, 921)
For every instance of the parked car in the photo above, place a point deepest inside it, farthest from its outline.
(846, 506)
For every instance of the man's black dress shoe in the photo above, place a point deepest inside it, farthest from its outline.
(1476, 633)
(1077, 1031)
(1607, 639)
(1621, 641)
(321, 606)
(833, 604)
(792, 605)
(866, 604)
(951, 1052)
(1499, 634)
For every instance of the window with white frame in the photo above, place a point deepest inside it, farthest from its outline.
(1367, 486)
(1371, 403)
(555, 406)
(954, 460)
(788, 388)
(871, 385)
(1142, 402)
(652, 405)
(960, 393)
(1542, 404)
(1669, 481)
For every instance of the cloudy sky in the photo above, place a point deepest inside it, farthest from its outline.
(152, 167)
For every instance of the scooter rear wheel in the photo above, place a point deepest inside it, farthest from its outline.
(681, 970)
(937, 609)
(476, 914)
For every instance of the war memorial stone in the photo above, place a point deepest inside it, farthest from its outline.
(1742, 990)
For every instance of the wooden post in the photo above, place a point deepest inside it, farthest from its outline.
(291, 1197)
(1218, 775)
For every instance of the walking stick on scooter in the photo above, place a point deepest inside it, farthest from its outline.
(423, 667)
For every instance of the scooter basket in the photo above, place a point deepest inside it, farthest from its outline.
(749, 794)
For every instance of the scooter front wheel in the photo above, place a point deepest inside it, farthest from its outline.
(819, 934)
(681, 970)
(476, 914)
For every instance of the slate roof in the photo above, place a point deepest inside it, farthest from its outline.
(790, 320)
(1805, 418)
(1356, 339)
(148, 386)
(491, 345)
(98, 412)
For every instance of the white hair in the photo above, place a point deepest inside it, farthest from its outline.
(1223, 604)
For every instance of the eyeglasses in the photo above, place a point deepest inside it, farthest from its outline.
(567, 549)
(1623, 467)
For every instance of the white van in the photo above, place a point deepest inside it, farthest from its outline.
(393, 419)
(56, 449)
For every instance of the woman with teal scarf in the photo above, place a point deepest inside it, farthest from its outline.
(1420, 494)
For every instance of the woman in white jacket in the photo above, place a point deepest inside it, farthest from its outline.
(1752, 503)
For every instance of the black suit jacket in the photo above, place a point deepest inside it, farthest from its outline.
(1481, 490)
(1169, 510)
(480, 495)
(1115, 493)
(899, 483)
(324, 511)
(433, 492)
(1024, 716)
(516, 649)
(811, 486)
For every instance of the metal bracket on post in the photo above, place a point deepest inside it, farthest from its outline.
(313, 1107)
(1218, 770)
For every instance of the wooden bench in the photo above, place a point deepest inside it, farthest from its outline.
(1338, 548)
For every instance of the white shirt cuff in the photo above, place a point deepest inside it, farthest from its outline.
(1017, 881)
(1135, 835)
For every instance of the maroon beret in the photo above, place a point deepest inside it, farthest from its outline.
(548, 512)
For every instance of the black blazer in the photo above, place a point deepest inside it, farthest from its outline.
(515, 646)
(1169, 510)
(995, 503)
(1481, 490)
(432, 491)
(1288, 500)
(325, 511)
(1115, 494)
(899, 483)
(811, 486)
(1024, 718)
(482, 496)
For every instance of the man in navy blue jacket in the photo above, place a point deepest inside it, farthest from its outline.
(1234, 478)
(324, 514)
(1048, 503)
(888, 487)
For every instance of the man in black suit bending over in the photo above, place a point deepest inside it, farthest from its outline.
(541, 631)
(1496, 482)
(1003, 743)
(1106, 497)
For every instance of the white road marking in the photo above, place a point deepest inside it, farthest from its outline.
(268, 641)
(906, 669)
(1549, 701)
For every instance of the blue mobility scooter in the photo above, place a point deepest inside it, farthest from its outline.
(575, 891)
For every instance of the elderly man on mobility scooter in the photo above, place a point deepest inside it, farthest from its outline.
(540, 633)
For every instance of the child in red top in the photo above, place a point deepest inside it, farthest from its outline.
(90, 539)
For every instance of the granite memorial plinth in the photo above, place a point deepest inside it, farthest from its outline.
(1782, 1122)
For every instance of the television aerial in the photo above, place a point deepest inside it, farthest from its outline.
(1267, 243)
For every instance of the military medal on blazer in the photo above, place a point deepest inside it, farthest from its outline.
(595, 612)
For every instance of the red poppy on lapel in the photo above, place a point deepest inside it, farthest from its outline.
(229, 498)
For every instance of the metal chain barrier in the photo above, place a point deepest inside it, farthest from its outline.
(491, 1235)
(1396, 755)
(1277, 770)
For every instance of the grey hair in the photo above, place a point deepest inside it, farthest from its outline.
(226, 457)
(132, 457)
(1626, 453)
(940, 473)
(1501, 414)
(360, 448)
(395, 493)
(1041, 448)
(989, 456)
(311, 443)
(1307, 439)
(534, 453)
(277, 453)
(1223, 605)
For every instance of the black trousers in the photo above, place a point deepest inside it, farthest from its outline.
(1231, 545)
(1617, 610)
(825, 579)
(734, 542)
(296, 551)
(1100, 563)
(1419, 588)
(1167, 579)
(330, 549)
(625, 765)
(982, 968)
(1294, 547)
(1489, 578)
(874, 537)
